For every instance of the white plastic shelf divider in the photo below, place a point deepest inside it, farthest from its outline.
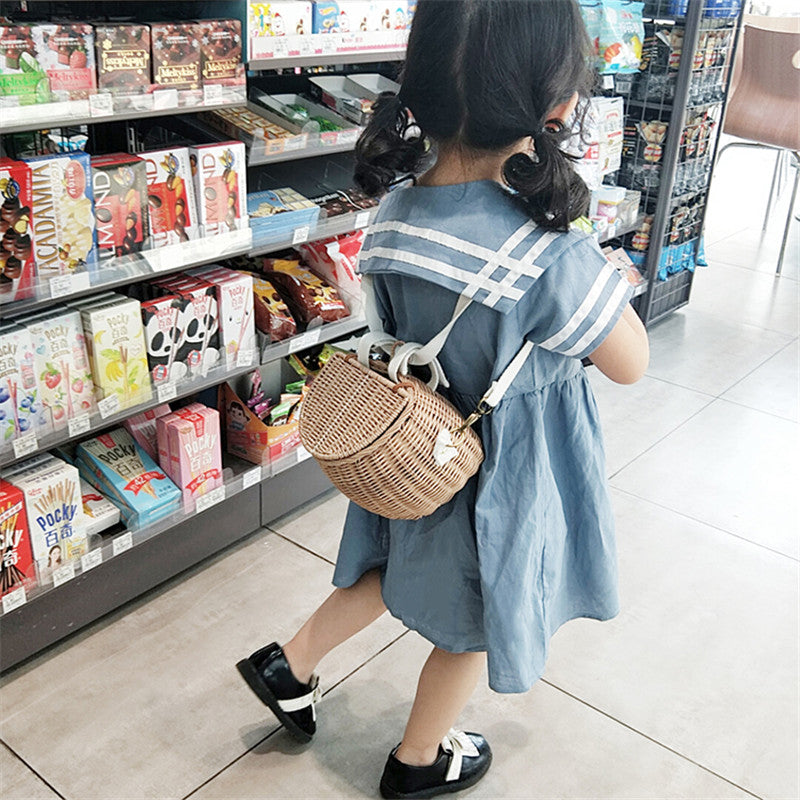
(324, 333)
(259, 158)
(134, 268)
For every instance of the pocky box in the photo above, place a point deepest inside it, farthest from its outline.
(176, 55)
(119, 184)
(220, 186)
(200, 344)
(164, 327)
(123, 58)
(63, 214)
(144, 491)
(16, 557)
(55, 514)
(61, 364)
(194, 451)
(67, 54)
(21, 409)
(236, 318)
(170, 196)
(99, 512)
(221, 50)
(17, 265)
(22, 77)
(117, 351)
(142, 427)
(163, 444)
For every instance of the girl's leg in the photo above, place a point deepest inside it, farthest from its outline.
(445, 685)
(342, 615)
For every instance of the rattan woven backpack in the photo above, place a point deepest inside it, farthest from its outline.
(385, 439)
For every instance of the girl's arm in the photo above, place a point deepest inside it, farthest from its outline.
(625, 353)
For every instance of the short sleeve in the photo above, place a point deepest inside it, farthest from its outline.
(576, 301)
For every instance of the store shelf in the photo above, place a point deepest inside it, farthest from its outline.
(324, 333)
(343, 223)
(14, 119)
(620, 230)
(137, 267)
(258, 157)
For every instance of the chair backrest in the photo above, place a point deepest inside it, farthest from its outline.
(765, 105)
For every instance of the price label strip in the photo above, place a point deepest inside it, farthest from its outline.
(211, 499)
(63, 574)
(60, 286)
(108, 405)
(91, 560)
(25, 445)
(300, 235)
(307, 339)
(251, 478)
(101, 105)
(80, 424)
(166, 392)
(122, 543)
(14, 600)
(362, 219)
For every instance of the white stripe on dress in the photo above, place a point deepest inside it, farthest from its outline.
(611, 306)
(583, 309)
(526, 265)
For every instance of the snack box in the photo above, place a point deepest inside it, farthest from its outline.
(361, 16)
(144, 492)
(352, 97)
(235, 306)
(170, 196)
(282, 18)
(310, 299)
(117, 352)
(344, 201)
(142, 427)
(336, 260)
(99, 512)
(66, 51)
(16, 557)
(164, 326)
(265, 132)
(220, 183)
(55, 514)
(119, 184)
(163, 445)
(22, 77)
(194, 450)
(176, 55)
(21, 410)
(17, 265)
(200, 345)
(275, 213)
(123, 58)
(62, 366)
(63, 214)
(221, 50)
(325, 17)
(272, 315)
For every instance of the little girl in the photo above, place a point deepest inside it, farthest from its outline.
(529, 542)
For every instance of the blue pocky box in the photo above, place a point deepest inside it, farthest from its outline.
(116, 464)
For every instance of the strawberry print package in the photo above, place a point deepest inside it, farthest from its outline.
(16, 557)
(143, 428)
(67, 54)
(176, 55)
(307, 295)
(272, 315)
(123, 58)
(170, 196)
(17, 266)
(220, 186)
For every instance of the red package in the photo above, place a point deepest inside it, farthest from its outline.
(17, 267)
(306, 294)
(335, 260)
(176, 55)
(16, 558)
(272, 314)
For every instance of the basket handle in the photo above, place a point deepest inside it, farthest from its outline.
(403, 385)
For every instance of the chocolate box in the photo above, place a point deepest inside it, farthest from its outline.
(170, 196)
(220, 186)
(164, 325)
(176, 55)
(221, 50)
(123, 58)
(63, 214)
(17, 266)
(67, 54)
(119, 183)
(16, 557)
(21, 75)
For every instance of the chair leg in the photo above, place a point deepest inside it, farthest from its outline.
(776, 174)
(789, 214)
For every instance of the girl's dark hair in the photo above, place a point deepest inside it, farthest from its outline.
(484, 74)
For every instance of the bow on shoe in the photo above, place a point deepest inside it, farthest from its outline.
(458, 744)
(305, 700)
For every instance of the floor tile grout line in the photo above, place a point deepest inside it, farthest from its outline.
(709, 524)
(280, 727)
(648, 737)
(302, 547)
(759, 410)
(28, 766)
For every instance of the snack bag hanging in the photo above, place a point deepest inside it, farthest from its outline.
(619, 47)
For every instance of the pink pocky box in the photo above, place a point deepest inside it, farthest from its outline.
(220, 183)
(163, 446)
(21, 410)
(61, 363)
(236, 317)
(194, 451)
(170, 196)
(67, 54)
(143, 428)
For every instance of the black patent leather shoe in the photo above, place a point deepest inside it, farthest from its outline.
(268, 674)
(463, 760)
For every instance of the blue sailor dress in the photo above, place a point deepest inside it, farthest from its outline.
(528, 543)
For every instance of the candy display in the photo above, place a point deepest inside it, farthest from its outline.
(62, 365)
(22, 76)
(62, 214)
(123, 58)
(137, 485)
(99, 512)
(21, 410)
(220, 186)
(281, 18)
(345, 202)
(66, 52)
(16, 557)
(54, 509)
(254, 130)
(309, 298)
(335, 259)
(164, 324)
(17, 267)
(272, 315)
(275, 213)
(221, 50)
(142, 427)
(117, 352)
(119, 184)
(170, 196)
(176, 55)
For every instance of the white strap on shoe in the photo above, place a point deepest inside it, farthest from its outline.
(305, 700)
(459, 745)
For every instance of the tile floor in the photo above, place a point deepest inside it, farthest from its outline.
(692, 692)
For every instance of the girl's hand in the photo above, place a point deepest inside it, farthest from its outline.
(624, 355)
